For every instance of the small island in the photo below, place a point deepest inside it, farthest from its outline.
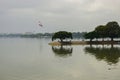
(109, 31)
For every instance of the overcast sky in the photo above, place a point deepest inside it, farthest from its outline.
(20, 16)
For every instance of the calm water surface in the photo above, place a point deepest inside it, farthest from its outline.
(34, 59)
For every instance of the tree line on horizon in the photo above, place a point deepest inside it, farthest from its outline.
(110, 30)
(77, 35)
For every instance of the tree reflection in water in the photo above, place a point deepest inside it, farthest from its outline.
(62, 51)
(109, 54)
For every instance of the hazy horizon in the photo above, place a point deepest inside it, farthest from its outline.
(55, 15)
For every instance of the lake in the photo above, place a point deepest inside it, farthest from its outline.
(34, 59)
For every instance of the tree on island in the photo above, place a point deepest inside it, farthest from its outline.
(101, 31)
(90, 35)
(62, 35)
(110, 30)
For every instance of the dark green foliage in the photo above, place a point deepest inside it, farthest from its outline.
(90, 35)
(101, 31)
(111, 30)
(62, 35)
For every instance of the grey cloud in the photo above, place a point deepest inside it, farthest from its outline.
(71, 15)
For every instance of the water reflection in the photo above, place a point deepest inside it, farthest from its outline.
(109, 54)
(62, 51)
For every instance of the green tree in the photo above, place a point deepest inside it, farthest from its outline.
(101, 31)
(91, 35)
(112, 30)
(62, 35)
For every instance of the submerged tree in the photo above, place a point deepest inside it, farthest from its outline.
(62, 35)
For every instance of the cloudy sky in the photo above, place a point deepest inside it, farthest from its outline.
(20, 16)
